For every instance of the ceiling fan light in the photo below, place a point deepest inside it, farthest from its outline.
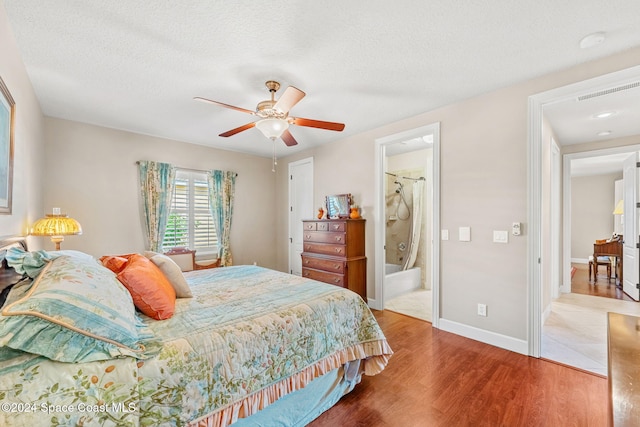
(272, 128)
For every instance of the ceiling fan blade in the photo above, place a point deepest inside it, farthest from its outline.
(243, 110)
(290, 97)
(288, 139)
(238, 129)
(299, 121)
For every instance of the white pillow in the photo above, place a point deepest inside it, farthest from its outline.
(174, 275)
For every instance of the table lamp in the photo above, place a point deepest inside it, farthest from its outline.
(57, 226)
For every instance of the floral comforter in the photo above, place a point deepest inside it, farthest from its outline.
(248, 336)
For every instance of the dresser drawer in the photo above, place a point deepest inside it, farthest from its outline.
(313, 226)
(336, 226)
(328, 265)
(323, 276)
(324, 237)
(325, 248)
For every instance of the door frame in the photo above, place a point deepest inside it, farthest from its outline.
(536, 104)
(380, 223)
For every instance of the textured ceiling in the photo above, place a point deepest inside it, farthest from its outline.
(136, 65)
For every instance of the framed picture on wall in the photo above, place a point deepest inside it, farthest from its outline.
(7, 113)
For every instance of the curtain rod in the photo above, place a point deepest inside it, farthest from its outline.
(187, 169)
(406, 177)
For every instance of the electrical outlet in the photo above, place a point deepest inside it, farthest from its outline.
(482, 310)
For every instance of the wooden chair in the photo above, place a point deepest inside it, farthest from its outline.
(186, 259)
(594, 263)
(604, 253)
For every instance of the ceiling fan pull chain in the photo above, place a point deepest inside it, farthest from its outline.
(275, 161)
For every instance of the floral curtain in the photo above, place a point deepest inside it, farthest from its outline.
(221, 191)
(156, 188)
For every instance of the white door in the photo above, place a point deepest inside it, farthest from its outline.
(629, 249)
(300, 207)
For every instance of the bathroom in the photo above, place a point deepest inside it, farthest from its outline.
(408, 210)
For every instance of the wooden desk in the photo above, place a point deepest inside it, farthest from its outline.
(610, 249)
(623, 347)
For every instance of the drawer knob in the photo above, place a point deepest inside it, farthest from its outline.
(339, 250)
(306, 261)
(336, 280)
(337, 266)
(336, 226)
(307, 236)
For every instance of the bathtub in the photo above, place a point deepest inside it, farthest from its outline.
(398, 282)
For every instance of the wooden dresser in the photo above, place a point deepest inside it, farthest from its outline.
(334, 252)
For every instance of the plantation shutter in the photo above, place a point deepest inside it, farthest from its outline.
(177, 233)
(190, 223)
(204, 235)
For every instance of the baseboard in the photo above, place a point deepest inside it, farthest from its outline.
(487, 337)
(372, 303)
(580, 260)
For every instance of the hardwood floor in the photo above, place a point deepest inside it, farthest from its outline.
(437, 378)
(580, 284)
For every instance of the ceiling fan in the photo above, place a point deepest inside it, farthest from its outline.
(274, 115)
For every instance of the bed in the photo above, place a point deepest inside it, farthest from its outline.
(251, 347)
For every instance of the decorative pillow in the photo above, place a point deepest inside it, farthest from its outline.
(174, 275)
(76, 311)
(114, 263)
(151, 291)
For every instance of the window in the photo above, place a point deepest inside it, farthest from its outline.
(190, 223)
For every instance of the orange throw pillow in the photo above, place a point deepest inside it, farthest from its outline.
(151, 291)
(114, 263)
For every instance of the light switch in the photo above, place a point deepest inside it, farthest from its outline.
(515, 228)
(500, 236)
(464, 234)
(445, 235)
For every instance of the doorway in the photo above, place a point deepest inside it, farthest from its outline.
(540, 234)
(407, 226)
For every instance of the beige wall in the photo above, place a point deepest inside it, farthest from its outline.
(484, 166)
(29, 142)
(592, 204)
(91, 174)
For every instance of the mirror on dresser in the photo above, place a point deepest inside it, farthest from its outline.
(338, 206)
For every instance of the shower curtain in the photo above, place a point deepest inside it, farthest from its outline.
(416, 225)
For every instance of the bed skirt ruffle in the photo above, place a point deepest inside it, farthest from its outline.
(374, 356)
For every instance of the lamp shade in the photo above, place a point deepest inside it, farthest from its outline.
(272, 128)
(619, 210)
(56, 226)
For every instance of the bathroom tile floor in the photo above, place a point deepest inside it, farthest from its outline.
(415, 304)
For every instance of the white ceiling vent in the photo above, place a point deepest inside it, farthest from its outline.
(609, 91)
